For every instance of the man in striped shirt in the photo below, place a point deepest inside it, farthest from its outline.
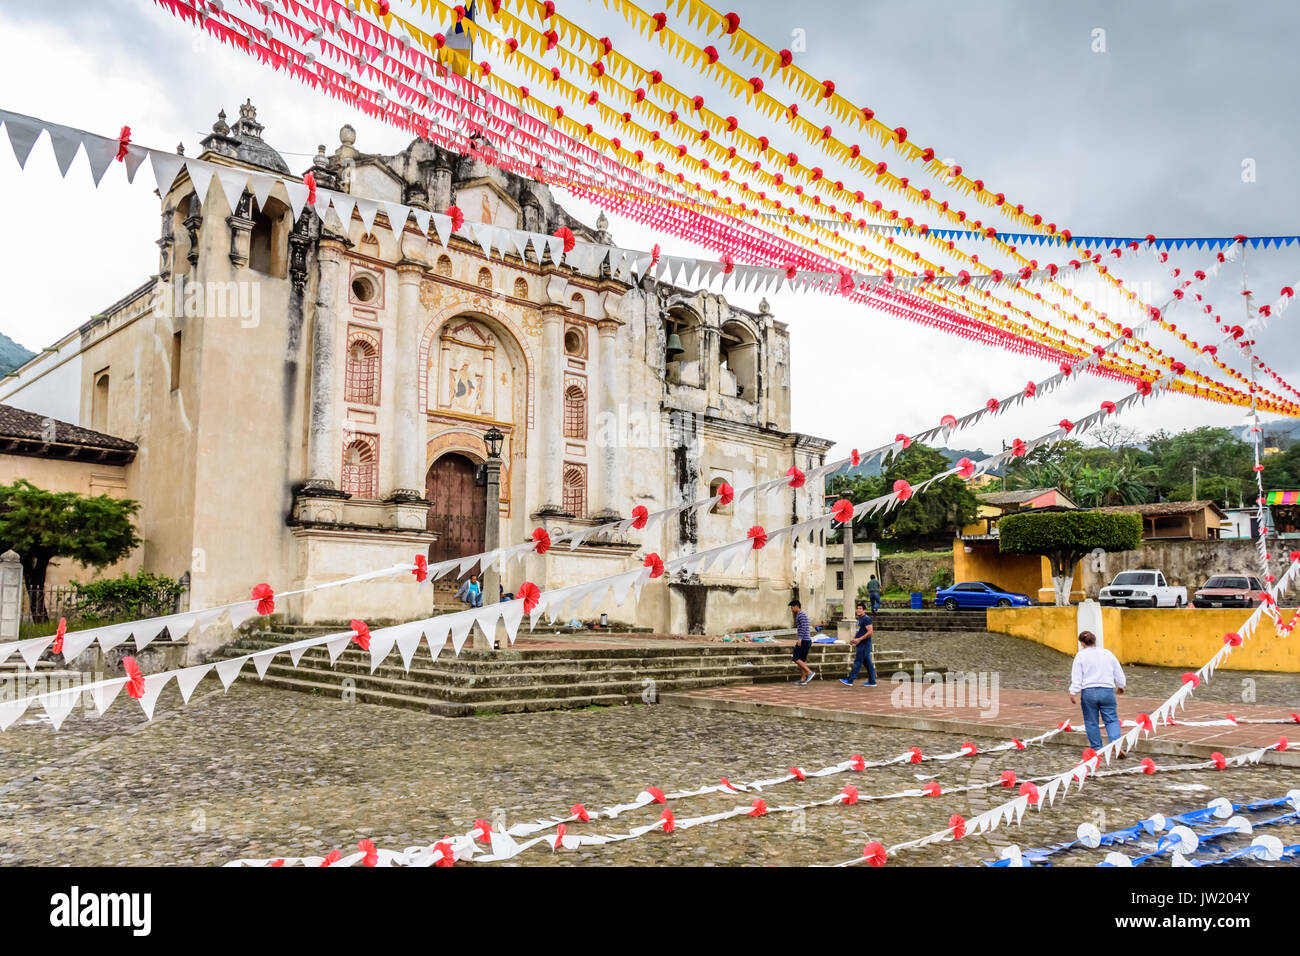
(802, 641)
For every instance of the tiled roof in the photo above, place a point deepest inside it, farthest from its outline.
(15, 423)
(1159, 508)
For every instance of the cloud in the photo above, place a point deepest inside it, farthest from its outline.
(1148, 136)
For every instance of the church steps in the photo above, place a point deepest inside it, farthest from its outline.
(596, 659)
(523, 679)
(448, 681)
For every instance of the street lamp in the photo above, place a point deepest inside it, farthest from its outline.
(492, 440)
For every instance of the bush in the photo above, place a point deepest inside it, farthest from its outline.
(941, 578)
(1077, 532)
(128, 598)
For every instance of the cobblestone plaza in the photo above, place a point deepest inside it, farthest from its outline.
(256, 772)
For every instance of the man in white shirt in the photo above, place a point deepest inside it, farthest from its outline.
(1095, 679)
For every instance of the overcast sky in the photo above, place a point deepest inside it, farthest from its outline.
(1147, 136)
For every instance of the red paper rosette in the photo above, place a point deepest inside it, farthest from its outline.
(757, 535)
(265, 599)
(360, 634)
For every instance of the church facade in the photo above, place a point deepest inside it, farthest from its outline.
(310, 399)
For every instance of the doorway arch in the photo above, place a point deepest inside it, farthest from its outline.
(458, 507)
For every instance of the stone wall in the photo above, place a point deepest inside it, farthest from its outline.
(1185, 563)
(912, 573)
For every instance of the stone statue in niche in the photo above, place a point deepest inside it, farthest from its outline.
(474, 374)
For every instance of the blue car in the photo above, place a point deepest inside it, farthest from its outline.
(978, 594)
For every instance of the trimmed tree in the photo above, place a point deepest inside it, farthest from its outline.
(43, 525)
(1065, 537)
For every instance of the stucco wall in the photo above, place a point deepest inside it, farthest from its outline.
(1158, 637)
(1185, 563)
(85, 478)
(911, 574)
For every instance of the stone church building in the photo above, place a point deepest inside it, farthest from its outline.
(309, 400)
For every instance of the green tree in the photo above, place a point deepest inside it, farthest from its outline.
(945, 505)
(1282, 471)
(858, 488)
(43, 525)
(1120, 484)
(1063, 537)
(1224, 463)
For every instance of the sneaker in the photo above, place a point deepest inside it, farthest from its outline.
(868, 683)
(811, 677)
(846, 682)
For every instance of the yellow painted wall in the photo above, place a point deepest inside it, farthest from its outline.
(85, 478)
(1154, 636)
(1022, 573)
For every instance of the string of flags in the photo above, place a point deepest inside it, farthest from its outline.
(876, 854)
(1089, 835)
(382, 46)
(482, 844)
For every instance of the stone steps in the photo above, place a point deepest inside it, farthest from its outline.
(522, 679)
(930, 620)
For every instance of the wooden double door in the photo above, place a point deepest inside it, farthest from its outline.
(458, 507)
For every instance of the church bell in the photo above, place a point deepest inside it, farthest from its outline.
(674, 346)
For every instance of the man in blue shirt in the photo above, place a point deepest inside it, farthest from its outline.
(862, 641)
(802, 641)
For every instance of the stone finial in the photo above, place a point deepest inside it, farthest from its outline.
(180, 149)
(764, 308)
(602, 224)
(220, 127)
(10, 557)
(347, 135)
(320, 160)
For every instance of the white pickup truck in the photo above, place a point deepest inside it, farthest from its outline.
(1141, 588)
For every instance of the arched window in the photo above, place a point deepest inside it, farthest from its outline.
(268, 246)
(578, 303)
(575, 489)
(99, 403)
(361, 375)
(719, 508)
(361, 466)
(485, 278)
(738, 353)
(521, 288)
(443, 267)
(575, 412)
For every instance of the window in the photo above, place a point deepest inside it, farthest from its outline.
(578, 303)
(99, 402)
(575, 412)
(521, 288)
(738, 352)
(443, 267)
(575, 343)
(575, 489)
(839, 580)
(363, 289)
(719, 508)
(268, 245)
(485, 278)
(361, 466)
(176, 360)
(361, 375)
(1132, 578)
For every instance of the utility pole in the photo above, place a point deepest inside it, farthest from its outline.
(1194, 482)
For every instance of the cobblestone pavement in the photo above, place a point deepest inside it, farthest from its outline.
(261, 773)
(1025, 665)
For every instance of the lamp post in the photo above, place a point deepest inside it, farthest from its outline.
(492, 440)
